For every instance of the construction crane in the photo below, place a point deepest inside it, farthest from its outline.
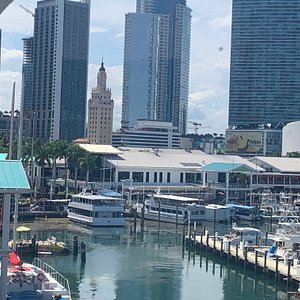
(27, 10)
(197, 126)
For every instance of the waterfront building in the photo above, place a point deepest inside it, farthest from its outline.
(60, 63)
(100, 112)
(156, 63)
(264, 69)
(147, 133)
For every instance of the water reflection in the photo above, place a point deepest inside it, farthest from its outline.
(151, 263)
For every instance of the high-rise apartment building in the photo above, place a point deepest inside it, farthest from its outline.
(100, 112)
(27, 68)
(156, 63)
(60, 63)
(265, 63)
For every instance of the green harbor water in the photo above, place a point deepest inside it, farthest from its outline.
(128, 264)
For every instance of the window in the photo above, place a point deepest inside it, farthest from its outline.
(155, 177)
(138, 176)
(123, 175)
(168, 177)
(181, 177)
(147, 176)
(160, 176)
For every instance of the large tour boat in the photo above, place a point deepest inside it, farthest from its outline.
(95, 210)
(172, 209)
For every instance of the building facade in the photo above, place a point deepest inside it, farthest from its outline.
(265, 63)
(60, 62)
(156, 63)
(100, 112)
(147, 133)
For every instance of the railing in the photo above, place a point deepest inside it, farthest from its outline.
(63, 281)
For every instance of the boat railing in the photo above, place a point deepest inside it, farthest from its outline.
(63, 281)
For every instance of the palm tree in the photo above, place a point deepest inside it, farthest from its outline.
(42, 158)
(87, 164)
(57, 149)
(75, 154)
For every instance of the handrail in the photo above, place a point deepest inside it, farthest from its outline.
(62, 280)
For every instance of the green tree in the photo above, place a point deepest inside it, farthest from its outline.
(75, 155)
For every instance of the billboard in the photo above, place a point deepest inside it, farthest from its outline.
(244, 141)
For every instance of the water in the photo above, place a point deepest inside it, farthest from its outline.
(124, 265)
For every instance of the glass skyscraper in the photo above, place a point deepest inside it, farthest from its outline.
(60, 64)
(265, 63)
(156, 63)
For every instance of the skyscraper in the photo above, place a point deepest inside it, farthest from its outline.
(156, 63)
(60, 62)
(265, 63)
(100, 112)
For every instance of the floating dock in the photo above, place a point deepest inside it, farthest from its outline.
(252, 256)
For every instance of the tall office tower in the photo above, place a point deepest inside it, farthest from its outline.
(156, 63)
(60, 64)
(100, 112)
(265, 63)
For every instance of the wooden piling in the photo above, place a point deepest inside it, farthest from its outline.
(276, 268)
(288, 274)
(201, 240)
(221, 249)
(255, 261)
(265, 262)
(135, 217)
(236, 253)
(75, 245)
(83, 254)
(207, 240)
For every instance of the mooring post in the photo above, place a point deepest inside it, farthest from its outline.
(83, 254)
(276, 268)
(288, 274)
(221, 250)
(75, 245)
(255, 264)
(265, 262)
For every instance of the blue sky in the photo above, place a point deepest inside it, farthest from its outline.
(209, 77)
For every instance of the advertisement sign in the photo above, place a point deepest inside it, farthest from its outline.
(244, 141)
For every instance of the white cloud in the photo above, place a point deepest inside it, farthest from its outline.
(6, 83)
(209, 80)
(221, 22)
(95, 29)
(7, 54)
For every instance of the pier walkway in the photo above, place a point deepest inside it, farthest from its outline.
(255, 256)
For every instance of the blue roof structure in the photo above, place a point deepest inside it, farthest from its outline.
(3, 156)
(13, 178)
(109, 193)
(227, 167)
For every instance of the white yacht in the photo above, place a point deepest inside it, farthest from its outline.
(35, 281)
(172, 209)
(247, 235)
(96, 210)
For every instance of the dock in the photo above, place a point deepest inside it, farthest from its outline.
(256, 256)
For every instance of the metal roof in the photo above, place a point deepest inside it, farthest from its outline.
(227, 167)
(281, 164)
(13, 178)
(100, 149)
(172, 159)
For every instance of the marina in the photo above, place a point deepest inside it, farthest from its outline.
(121, 261)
